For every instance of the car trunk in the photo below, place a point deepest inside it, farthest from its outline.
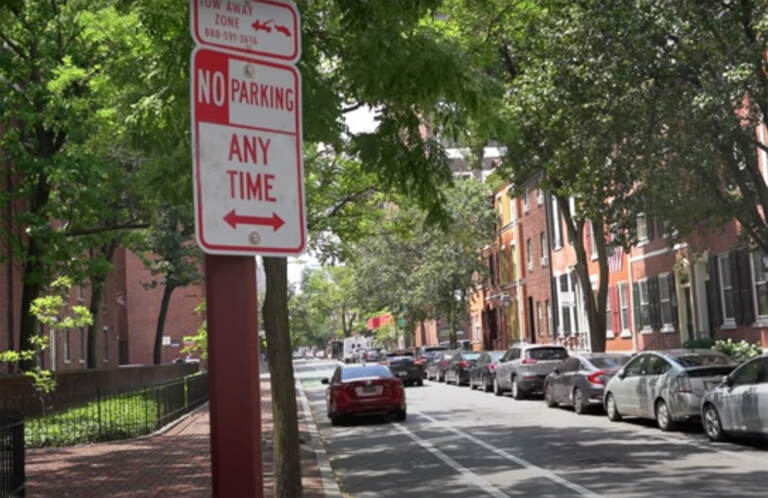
(539, 368)
(705, 378)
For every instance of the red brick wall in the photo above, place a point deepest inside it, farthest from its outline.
(537, 281)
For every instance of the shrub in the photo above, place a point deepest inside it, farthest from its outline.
(738, 351)
(700, 343)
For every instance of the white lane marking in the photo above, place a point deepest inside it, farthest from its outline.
(528, 465)
(467, 474)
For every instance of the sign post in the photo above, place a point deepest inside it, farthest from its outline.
(249, 200)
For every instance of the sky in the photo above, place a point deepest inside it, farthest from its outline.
(358, 121)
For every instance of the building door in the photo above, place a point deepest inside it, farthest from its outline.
(531, 323)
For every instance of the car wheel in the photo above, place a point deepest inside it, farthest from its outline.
(488, 388)
(472, 385)
(611, 409)
(712, 425)
(336, 420)
(399, 415)
(549, 397)
(579, 404)
(517, 393)
(496, 387)
(663, 417)
(420, 382)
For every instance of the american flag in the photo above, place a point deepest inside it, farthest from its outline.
(615, 258)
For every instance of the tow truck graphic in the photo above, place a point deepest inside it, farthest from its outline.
(267, 27)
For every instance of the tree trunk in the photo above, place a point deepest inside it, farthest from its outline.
(157, 355)
(423, 332)
(29, 292)
(97, 292)
(287, 459)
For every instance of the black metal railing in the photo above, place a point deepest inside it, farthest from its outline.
(73, 418)
(12, 480)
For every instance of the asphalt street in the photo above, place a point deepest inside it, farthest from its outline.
(460, 442)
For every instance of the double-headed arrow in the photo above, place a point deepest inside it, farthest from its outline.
(233, 219)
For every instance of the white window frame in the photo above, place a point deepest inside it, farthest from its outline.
(529, 253)
(557, 232)
(548, 305)
(539, 196)
(642, 220)
(526, 206)
(543, 253)
(624, 308)
(664, 288)
(643, 284)
(511, 205)
(540, 318)
(760, 320)
(728, 322)
(608, 325)
(566, 299)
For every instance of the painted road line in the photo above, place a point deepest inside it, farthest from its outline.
(467, 474)
(509, 456)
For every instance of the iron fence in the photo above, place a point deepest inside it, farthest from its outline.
(73, 418)
(12, 480)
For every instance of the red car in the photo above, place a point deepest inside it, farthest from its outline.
(364, 390)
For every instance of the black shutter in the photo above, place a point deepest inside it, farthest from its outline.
(636, 301)
(655, 301)
(745, 288)
(738, 305)
(672, 299)
(713, 294)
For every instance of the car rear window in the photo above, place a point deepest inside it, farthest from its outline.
(702, 359)
(366, 371)
(470, 356)
(495, 355)
(608, 362)
(401, 359)
(547, 354)
(433, 349)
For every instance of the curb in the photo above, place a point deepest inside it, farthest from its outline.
(330, 486)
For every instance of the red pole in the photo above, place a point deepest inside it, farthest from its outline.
(233, 377)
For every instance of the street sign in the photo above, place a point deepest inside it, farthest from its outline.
(265, 28)
(246, 142)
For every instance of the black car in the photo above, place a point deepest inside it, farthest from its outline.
(458, 369)
(481, 373)
(579, 380)
(404, 368)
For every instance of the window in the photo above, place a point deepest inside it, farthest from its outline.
(726, 289)
(529, 254)
(549, 316)
(642, 228)
(567, 319)
(543, 248)
(645, 305)
(761, 286)
(539, 196)
(79, 293)
(105, 334)
(526, 193)
(511, 201)
(656, 365)
(608, 322)
(540, 317)
(635, 366)
(624, 303)
(591, 246)
(747, 374)
(67, 352)
(666, 301)
(82, 344)
(557, 235)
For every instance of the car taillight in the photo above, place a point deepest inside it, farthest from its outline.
(418, 361)
(443, 363)
(596, 377)
(463, 364)
(528, 361)
(683, 384)
(492, 367)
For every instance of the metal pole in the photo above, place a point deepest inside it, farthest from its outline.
(233, 376)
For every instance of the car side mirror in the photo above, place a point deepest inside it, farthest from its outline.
(621, 374)
(728, 381)
(325, 381)
(556, 370)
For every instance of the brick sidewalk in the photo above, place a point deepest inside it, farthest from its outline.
(174, 463)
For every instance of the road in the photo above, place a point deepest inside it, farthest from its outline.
(460, 442)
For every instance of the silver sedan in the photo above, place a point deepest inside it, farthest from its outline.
(739, 403)
(665, 385)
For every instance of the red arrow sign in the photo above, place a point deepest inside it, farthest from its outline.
(233, 219)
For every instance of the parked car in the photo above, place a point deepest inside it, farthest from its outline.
(436, 369)
(481, 373)
(580, 379)
(666, 386)
(374, 354)
(458, 368)
(425, 354)
(739, 404)
(405, 369)
(364, 390)
(524, 367)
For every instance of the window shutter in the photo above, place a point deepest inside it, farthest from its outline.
(655, 302)
(673, 299)
(613, 294)
(555, 306)
(745, 288)
(713, 294)
(738, 304)
(636, 301)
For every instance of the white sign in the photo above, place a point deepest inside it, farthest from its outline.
(265, 28)
(248, 172)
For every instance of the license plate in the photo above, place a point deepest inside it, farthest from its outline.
(402, 374)
(368, 390)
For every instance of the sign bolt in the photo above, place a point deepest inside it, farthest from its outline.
(254, 238)
(250, 70)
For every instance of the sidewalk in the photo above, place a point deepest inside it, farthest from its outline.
(174, 463)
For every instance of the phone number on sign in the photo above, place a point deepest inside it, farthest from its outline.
(230, 36)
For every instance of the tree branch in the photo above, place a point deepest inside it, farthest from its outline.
(106, 228)
(17, 49)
